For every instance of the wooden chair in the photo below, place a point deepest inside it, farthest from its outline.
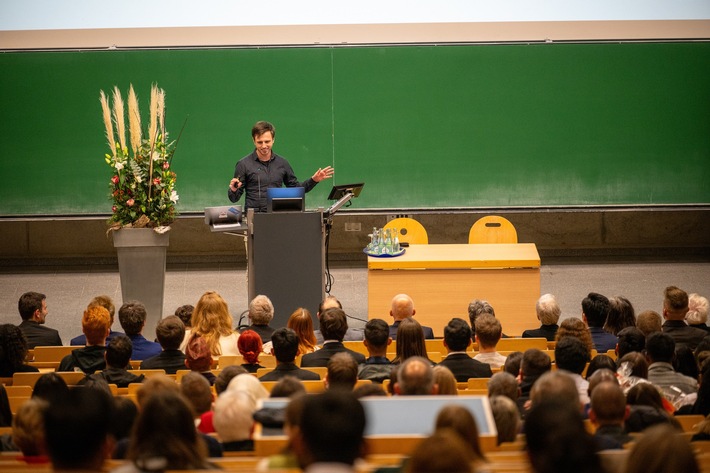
(180, 373)
(477, 383)
(148, 373)
(492, 229)
(690, 422)
(521, 344)
(50, 357)
(409, 231)
(435, 345)
(6, 381)
(29, 379)
(356, 346)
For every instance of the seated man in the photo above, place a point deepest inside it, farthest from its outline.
(198, 392)
(572, 356)
(118, 358)
(377, 366)
(660, 350)
(534, 364)
(33, 310)
(488, 333)
(403, 307)
(415, 377)
(333, 325)
(103, 301)
(457, 339)
(95, 324)
(342, 372)
(261, 313)
(595, 308)
(675, 307)
(608, 413)
(331, 302)
(170, 332)
(548, 313)
(630, 339)
(284, 348)
(132, 316)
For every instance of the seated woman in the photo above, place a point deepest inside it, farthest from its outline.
(250, 346)
(13, 351)
(211, 319)
(410, 341)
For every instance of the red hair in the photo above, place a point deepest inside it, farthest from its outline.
(249, 345)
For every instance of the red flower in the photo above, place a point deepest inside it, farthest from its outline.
(114, 179)
(156, 181)
(130, 202)
(114, 208)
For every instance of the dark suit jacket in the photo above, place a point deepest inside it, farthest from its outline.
(289, 369)
(684, 334)
(264, 331)
(464, 367)
(321, 357)
(428, 332)
(39, 335)
(169, 360)
(545, 331)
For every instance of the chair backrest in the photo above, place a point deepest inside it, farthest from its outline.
(409, 230)
(492, 229)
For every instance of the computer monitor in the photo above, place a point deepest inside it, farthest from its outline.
(285, 199)
(339, 191)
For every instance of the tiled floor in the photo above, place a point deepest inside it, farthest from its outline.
(68, 290)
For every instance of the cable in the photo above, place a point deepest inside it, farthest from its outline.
(328, 277)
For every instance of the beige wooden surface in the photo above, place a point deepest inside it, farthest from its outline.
(440, 294)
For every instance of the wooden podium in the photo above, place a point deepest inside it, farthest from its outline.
(286, 261)
(443, 279)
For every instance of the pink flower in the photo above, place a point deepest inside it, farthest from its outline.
(114, 208)
(130, 202)
(166, 165)
(114, 179)
(156, 181)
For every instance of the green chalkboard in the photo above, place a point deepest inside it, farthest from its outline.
(423, 126)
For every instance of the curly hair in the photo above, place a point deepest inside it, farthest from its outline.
(212, 320)
(249, 345)
(574, 327)
(13, 348)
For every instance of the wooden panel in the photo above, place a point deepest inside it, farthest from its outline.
(449, 256)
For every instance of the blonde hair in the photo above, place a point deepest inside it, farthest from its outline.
(445, 380)
(211, 319)
(28, 427)
(697, 309)
(301, 322)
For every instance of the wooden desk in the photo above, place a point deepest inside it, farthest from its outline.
(443, 279)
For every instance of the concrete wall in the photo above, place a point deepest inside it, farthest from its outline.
(604, 232)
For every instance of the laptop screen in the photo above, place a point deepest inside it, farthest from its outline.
(285, 199)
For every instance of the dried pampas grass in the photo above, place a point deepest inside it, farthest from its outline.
(118, 116)
(107, 122)
(134, 120)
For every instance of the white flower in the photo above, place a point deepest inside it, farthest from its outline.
(118, 166)
(174, 197)
(156, 156)
(139, 179)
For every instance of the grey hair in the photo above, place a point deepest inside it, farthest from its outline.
(261, 310)
(697, 309)
(548, 310)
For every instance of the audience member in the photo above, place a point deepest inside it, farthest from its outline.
(330, 432)
(660, 450)
(410, 341)
(77, 426)
(234, 421)
(600, 362)
(184, 313)
(249, 384)
(331, 302)
(477, 307)
(28, 431)
(369, 389)
(660, 349)
(198, 393)
(608, 413)
(377, 366)
(403, 308)
(211, 319)
(301, 322)
(118, 357)
(595, 308)
(558, 385)
(647, 408)
(675, 307)
(534, 364)
(132, 316)
(288, 386)
(95, 325)
(444, 451)
(415, 377)
(5, 411)
(697, 315)
(103, 301)
(445, 380)
(602, 375)
(285, 347)
(342, 372)
(702, 402)
(198, 357)
(13, 352)
(684, 362)
(574, 327)
(621, 315)
(165, 437)
(557, 440)
(504, 384)
(250, 346)
(457, 338)
(460, 420)
(33, 310)
(630, 339)
(512, 363)
(49, 386)
(507, 418)
(225, 376)
(648, 322)
(170, 332)
(548, 313)
(333, 325)
(261, 313)
(572, 356)
(633, 365)
(125, 415)
(488, 332)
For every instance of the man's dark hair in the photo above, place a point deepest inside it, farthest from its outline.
(170, 332)
(513, 362)
(457, 334)
(571, 355)
(29, 303)
(288, 386)
(342, 371)
(132, 317)
(596, 308)
(184, 313)
(535, 363)
(333, 324)
(660, 347)
(332, 426)
(197, 391)
(285, 343)
(119, 351)
(226, 375)
(630, 339)
(377, 333)
(76, 426)
(262, 127)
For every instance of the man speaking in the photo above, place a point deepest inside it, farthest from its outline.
(263, 168)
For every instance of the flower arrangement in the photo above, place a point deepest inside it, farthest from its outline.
(143, 183)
